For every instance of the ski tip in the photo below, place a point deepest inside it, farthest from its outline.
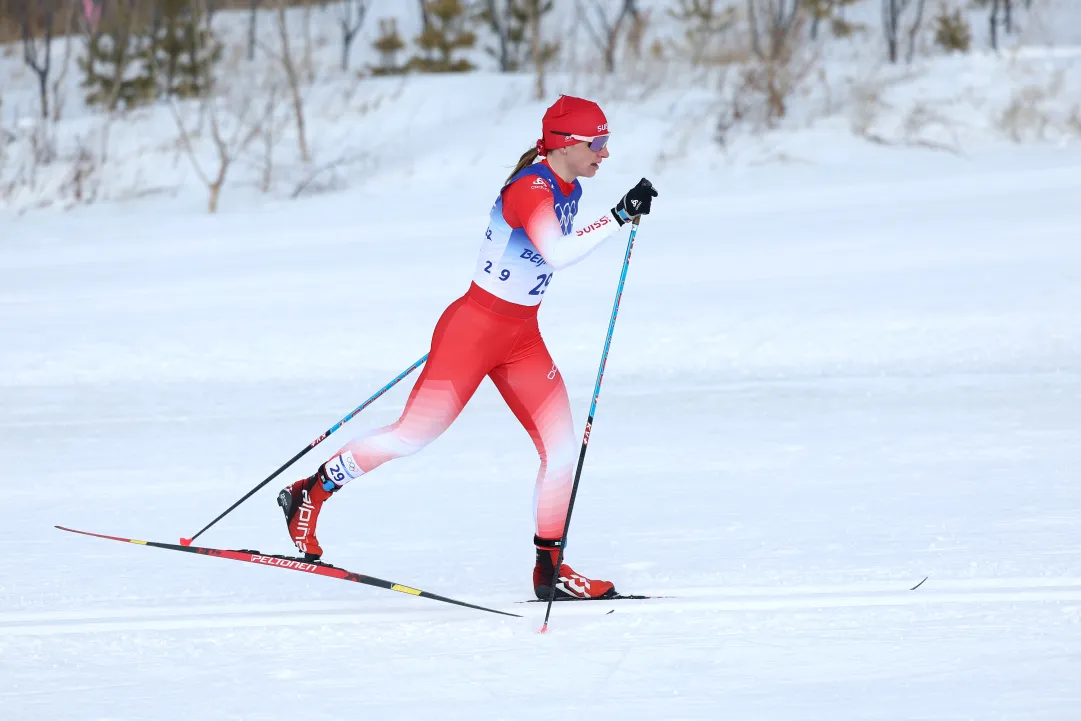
(185, 541)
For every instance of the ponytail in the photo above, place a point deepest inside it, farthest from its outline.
(527, 159)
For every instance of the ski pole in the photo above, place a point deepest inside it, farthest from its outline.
(589, 421)
(313, 444)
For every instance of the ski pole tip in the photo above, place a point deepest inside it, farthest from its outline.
(185, 541)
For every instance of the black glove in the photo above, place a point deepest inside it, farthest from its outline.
(636, 202)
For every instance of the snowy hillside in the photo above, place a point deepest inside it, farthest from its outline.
(846, 361)
(368, 134)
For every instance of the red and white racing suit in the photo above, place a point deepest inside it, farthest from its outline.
(492, 331)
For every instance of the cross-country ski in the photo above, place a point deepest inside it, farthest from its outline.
(292, 564)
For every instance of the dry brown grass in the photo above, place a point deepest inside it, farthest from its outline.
(11, 14)
(1029, 114)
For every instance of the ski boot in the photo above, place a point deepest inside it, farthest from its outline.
(568, 584)
(301, 502)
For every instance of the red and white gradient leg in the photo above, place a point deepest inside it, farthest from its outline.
(533, 387)
(462, 348)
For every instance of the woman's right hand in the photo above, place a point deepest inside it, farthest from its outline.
(636, 202)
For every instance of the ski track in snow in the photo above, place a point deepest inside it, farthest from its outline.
(726, 599)
(814, 400)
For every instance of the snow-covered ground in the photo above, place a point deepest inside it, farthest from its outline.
(848, 359)
(824, 387)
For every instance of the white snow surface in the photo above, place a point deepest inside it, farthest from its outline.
(839, 368)
(824, 387)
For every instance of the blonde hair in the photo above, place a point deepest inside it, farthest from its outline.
(528, 158)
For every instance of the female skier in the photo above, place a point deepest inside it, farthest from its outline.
(492, 331)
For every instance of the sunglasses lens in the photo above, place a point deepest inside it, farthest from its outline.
(598, 143)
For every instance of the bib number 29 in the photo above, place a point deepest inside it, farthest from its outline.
(503, 274)
(542, 284)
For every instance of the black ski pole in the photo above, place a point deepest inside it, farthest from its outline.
(589, 421)
(313, 444)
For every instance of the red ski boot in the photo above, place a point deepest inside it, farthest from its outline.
(301, 502)
(569, 584)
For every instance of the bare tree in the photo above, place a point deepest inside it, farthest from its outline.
(83, 179)
(705, 23)
(65, 63)
(350, 18)
(233, 127)
(425, 22)
(253, 15)
(501, 20)
(820, 10)
(831, 11)
(891, 21)
(894, 13)
(308, 63)
(993, 22)
(35, 15)
(269, 134)
(293, 77)
(513, 23)
(33, 147)
(1006, 8)
(636, 33)
(607, 31)
(269, 90)
(535, 44)
(230, 111)
(540, 52)
(774, 28)
(914, 31)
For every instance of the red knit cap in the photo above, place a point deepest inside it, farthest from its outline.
(570, 115)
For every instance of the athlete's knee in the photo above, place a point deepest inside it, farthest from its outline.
(557, 455)
(388, 442)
